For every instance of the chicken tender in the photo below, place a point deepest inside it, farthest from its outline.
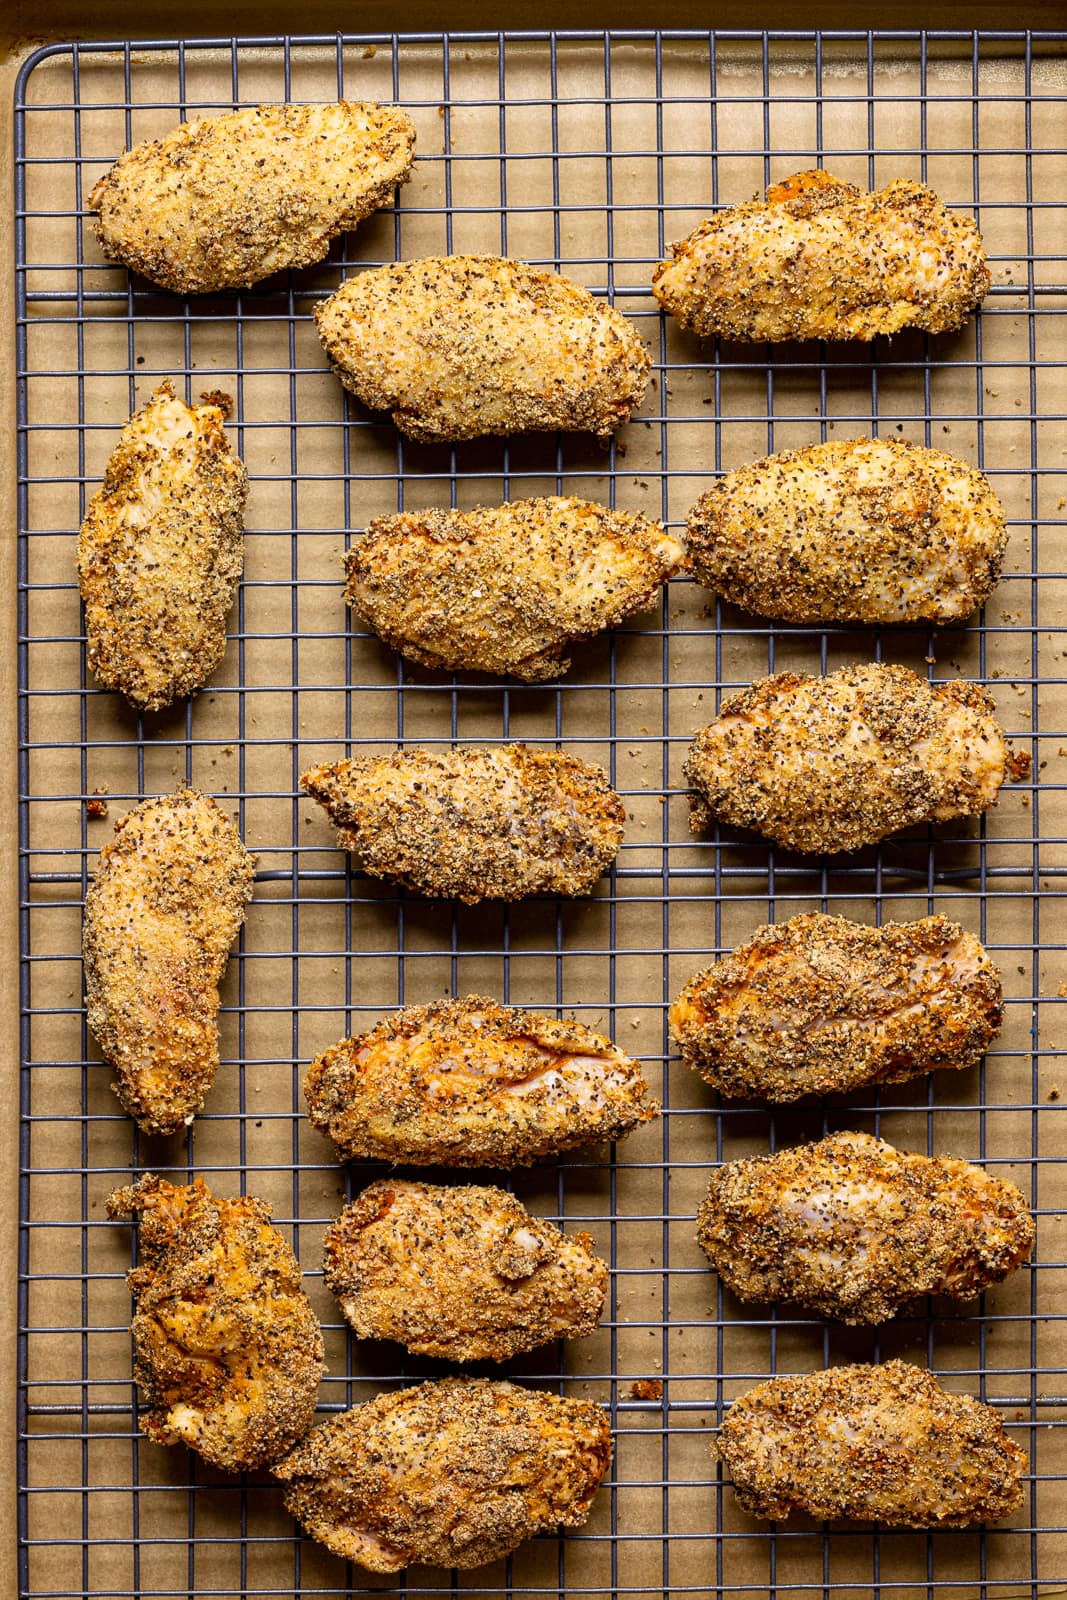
(454, 1473)
(228, 1352)
(853, 1229)
(834, 763)
(470, 1083)
(226, 201)
(857, 530)
(883, 1443)
(494, 824)
(160, 553)
(460, 346)
(167, 901)
(463, 1273)
(505, 589)
(821, 1005)
(821, 259)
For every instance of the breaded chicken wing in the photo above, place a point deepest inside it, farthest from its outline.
(470, 1083)
(166, 903)
(492, 824)
(884, 1443)
(853, 1229)
(228, 1352)
(821, 1005)
(464, 1272)
(454, 1473)
(460, 346)
(505, 589)
(834, 763)
(160, 553)
(856, 530)
(226, 201)
(821, 259)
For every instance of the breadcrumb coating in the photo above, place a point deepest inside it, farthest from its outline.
(166, 903)
(471, 1083)
(226, 201)
(821, 259)
(160, 553)
(228, 1352)
(852, 1228)
(460, 346)
(463, 1272)
(856, 530)
(883, 1443)
(454, 1473)
(505, 589)
(494, 824)
(821, 1005)
(838, 762)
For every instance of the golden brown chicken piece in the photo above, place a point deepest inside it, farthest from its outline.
(460, 346)
(167, 901)
(883, 1443)
(454, 1473)
(464, 1273)
(226, 201)
(857, 530)
(505, 589)
(470, 1083)
(228, 1352)
(853, 1229)
(492, 824)
(821, 259)
(160, 553)
(821, 1005)
(834, 763)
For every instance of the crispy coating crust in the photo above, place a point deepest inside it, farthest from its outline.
(476, 824)
(226, 201)
(505, 589)
(821, 259)
(228, 1352)
(834, 763)
(821, 1005)
(460, 346)
(464, 1273)
(470, 1083)
(853, 1229)
(857, 530)
(454, 1473)
(167, 901)
(160, 553)
(884, 1443)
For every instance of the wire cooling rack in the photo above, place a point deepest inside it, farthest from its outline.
(587, 152)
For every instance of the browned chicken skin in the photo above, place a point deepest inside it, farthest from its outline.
(470, 1083)
(460, 346)
(454, 1473)
(228, 1350)
(493, 824)
(464, 1272)
(834, 763)
(852, 1228)
(505, 589)
(821, 1005)
(856, 530)
(883, 1443)
(160, 553)
(226, 201)
(167, 901)
(821, 259)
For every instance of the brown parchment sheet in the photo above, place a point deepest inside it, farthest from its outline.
(326, 950)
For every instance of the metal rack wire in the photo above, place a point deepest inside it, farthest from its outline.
(588, 152)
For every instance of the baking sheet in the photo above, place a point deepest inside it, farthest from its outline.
(588, 155)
